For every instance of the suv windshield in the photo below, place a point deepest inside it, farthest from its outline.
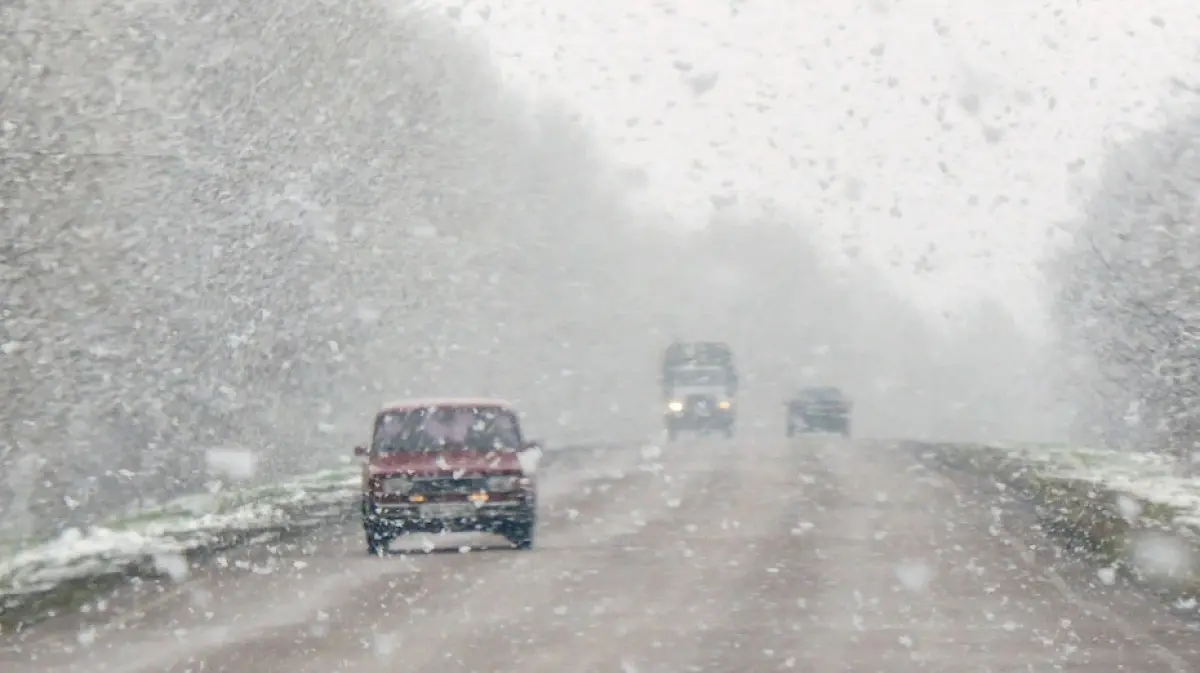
(437, 428)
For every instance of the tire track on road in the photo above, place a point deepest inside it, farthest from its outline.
(596, 609)
(767, 625)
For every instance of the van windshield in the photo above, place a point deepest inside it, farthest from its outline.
(714, 376)
(438, 428)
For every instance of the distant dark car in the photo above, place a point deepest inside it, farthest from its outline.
(819, 409)
(447, 465)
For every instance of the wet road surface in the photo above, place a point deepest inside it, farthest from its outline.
(818, 554)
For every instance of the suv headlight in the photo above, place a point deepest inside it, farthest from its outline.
(501, 484)
(675, 405)
(397, 485)
(725, 404)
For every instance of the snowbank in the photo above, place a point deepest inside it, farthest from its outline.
(145, 542)
(41, 576)
(1128, 511)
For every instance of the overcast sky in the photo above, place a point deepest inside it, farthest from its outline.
(938, 137)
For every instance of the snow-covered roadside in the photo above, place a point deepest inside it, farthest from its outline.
(161, 540)
(156, 536)
(1149, 477)
(1129, 510)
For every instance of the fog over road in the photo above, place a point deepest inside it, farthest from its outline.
(755, 554)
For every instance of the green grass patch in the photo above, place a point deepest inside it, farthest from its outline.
(18, 613)
(1087, 516)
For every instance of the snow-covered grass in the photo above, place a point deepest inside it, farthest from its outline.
(1131, 511)
(177, 528)
(1148, 477)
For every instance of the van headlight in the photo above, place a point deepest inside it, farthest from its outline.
(502, 484)
(725, 404)
(675, 405)
(397, 485)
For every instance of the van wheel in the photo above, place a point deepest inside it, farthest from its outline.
(377, 543)
(520, 534)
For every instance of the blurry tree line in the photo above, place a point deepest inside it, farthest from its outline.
(1127, 300)
(239, 224)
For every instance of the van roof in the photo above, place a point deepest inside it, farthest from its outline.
(426, 402)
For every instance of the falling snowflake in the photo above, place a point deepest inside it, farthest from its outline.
(235, 464)
(174, 566)
(914, 575)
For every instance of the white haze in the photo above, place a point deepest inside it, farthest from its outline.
(937, 139)
(245, 225)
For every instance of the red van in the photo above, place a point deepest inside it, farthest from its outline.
(448, 465)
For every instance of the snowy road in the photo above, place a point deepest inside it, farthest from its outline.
(820, 555)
